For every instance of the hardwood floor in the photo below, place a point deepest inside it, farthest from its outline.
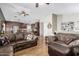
(39, 50)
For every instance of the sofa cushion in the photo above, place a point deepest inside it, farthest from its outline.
(10, 37)
(74, 43)
(66, 38)
(61, 49)
(59, 42)
(22, 41)
(19, 37)
(25, 37)
(12, 43)
(50, 39)
(59, 36)
(35, 37)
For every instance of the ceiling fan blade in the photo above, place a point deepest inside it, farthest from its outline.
(37, 4)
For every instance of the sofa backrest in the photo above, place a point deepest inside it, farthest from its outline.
(19, 37)
(10, 36)
(67, 37)
(50, 39)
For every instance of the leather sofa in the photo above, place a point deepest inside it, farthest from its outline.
(18, 42)
(64, 45)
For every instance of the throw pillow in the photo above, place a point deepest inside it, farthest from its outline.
(68, 41)
(74, 43)
(29, 37)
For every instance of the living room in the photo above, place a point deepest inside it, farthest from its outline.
(49, 28)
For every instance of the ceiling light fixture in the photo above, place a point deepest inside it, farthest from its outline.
(37, 4)
(22, 13)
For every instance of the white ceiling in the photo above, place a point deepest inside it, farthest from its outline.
(58, 8)
(66, 8)
(42, 12)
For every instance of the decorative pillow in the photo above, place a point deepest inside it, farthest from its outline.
(3, 41)
(68, 41)
(19, 37)
(74, 43)
(29, 37)
(67, 38)
(10, 37)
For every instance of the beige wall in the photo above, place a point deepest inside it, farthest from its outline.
(66, 18)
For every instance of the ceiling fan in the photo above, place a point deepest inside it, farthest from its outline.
(22, 13)
(37, 4)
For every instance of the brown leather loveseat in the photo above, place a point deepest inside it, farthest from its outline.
(18, 42)
(64, 45)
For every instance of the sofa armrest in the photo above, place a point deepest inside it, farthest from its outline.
(56, 49)
(49, 39)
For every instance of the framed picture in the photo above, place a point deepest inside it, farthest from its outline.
(67, 26)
